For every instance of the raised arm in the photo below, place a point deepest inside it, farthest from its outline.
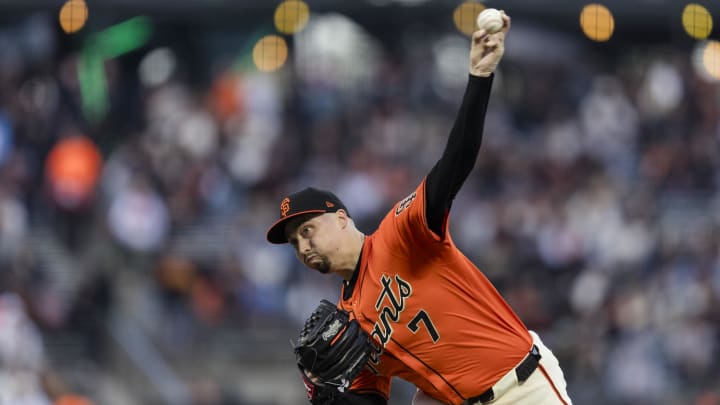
(449, 173)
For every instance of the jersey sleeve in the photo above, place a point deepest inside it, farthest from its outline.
(405, 227)
(368, 382)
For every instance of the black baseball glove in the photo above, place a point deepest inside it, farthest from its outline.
(331, 351)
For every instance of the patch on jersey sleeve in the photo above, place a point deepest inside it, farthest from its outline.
(405, 203)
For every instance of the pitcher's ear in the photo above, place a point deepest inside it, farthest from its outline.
(342, 216)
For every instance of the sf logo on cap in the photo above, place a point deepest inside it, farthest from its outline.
(285, 206)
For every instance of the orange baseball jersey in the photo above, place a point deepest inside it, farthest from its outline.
(441, 323)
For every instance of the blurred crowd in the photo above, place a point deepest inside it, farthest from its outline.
(594, 206)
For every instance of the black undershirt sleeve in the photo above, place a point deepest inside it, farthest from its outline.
(457, 161)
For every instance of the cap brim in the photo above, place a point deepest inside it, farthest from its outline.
(276, 233)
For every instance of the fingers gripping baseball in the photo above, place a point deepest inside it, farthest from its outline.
(488, 48)
(332, 349)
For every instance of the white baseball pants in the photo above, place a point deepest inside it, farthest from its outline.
(545, 386)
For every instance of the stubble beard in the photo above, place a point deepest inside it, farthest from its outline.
(323, 266)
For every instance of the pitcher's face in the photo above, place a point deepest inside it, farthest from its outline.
(315, 239)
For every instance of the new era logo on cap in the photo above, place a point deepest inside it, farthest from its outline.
(307, 201)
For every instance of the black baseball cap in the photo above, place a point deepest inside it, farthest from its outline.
(307, 201)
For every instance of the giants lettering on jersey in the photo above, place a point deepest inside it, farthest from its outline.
(390, 304)
(405, 203)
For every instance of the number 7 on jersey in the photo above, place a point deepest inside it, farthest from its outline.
(423, 317)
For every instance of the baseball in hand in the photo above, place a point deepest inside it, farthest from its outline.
(491, 20)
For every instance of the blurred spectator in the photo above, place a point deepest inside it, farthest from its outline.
(73, 167)
(138, 217)
(22, 355)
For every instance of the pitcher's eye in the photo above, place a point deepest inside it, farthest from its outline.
(306, 231)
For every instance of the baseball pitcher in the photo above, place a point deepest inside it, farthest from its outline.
(412, 305)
